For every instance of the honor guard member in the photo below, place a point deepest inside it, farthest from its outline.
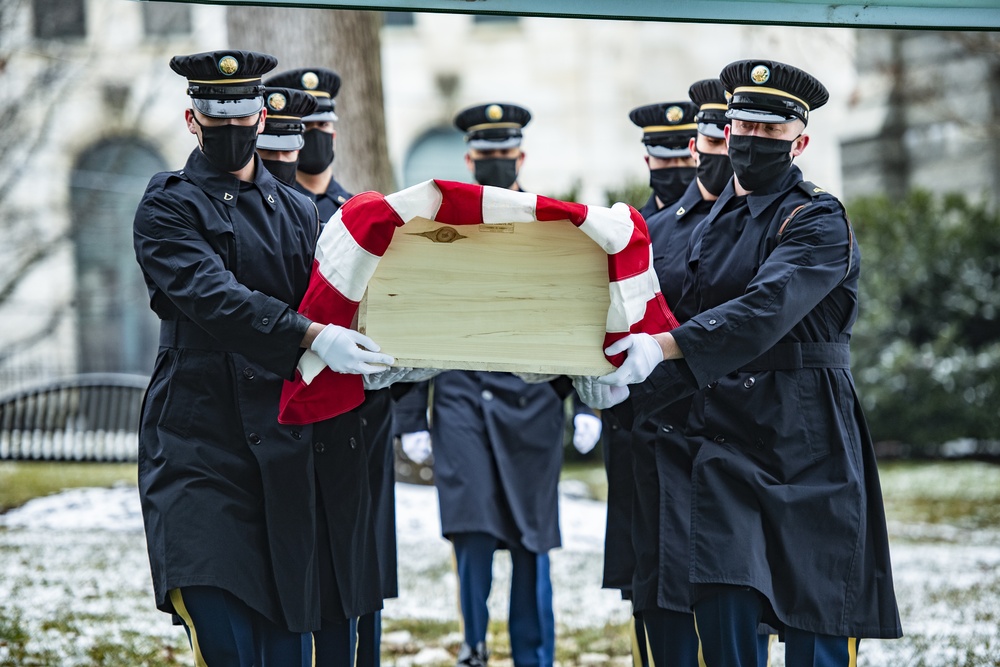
(314, 178)
(241, 547)
(667, 130)
(784, 465)
(280, 142)
(497, 444)
(667, 127)
(661, 453)
(315, 172)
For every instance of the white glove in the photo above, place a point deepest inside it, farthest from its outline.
(416, 446)
(536, 378)
(596, 395)
(644, 354)
(390, 376)
(586, 432)
(347, 351)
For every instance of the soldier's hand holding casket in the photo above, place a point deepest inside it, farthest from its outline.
(596, 395)
(644, 354)
(348, 351)
(390, 376)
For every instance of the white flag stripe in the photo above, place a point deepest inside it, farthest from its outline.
(345, 264)
(422, 200)
(501, 205)
(629, 298)
(611, 228)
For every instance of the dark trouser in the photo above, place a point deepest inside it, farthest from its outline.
(531, 620)
(673, 640)
(727, 622)
(224, 632)
(367, 636)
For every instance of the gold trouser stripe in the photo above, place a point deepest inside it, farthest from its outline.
(670, 128)
(312, 639)
(852, 651)
(701, 653)
(649, 648)
(181, 609)
(771, 641)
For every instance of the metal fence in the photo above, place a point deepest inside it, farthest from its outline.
(88, 417)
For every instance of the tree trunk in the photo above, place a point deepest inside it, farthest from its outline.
(346, 41)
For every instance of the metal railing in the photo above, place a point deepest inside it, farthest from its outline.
(87, 417)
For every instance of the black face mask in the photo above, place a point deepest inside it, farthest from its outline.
(669, 183)
(317, 154)
(283, 171)
(714, 171)
(758, 161)
(229, 147)
(500, 172)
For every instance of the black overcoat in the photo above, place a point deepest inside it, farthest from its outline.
(661, 453)
(785, 491)
(229, 494)
(497, 444)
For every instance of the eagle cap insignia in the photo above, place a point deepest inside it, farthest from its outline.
(228, 65)
(310, 80)
(674, 114)
(760, 74)
(276, 101)
(494, 112)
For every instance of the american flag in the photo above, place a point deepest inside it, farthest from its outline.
(358, 234)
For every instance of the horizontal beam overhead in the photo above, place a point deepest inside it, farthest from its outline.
(902, 14)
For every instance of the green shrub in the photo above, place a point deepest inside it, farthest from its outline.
(927, 341)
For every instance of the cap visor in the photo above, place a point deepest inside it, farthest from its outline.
(711, 130)
(321, 117)
(280, 142)
(487, 145)
(664, 152)
(758, 116)
(228, 108)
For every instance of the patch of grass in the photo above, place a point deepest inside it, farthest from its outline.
(960, 493)
(422, 630)
(590, 473)
(23, 480)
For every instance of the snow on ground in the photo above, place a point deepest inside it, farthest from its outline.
(57, 552)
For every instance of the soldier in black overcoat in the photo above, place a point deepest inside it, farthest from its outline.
(787, 521)
(313, 177)
(259, 555)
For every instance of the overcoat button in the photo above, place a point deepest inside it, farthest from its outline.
(253, 439)
(265, 320)
(364, 422)
(749, 382)
(353, 443)
(296, 435)
(319, 447)
(615, 427)
(719, 439)
(713, 384)
(523, 401)
(712, 321)
(487, 395)
(667, 428)
(248, 373)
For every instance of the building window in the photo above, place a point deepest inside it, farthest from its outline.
(117, 332)
(438, 153)
(56, 19)
(398, 19)
(494, 18)
(163, 19)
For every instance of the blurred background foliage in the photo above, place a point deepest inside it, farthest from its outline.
(926, 347)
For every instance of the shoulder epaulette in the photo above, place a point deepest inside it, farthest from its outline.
(811, 189)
